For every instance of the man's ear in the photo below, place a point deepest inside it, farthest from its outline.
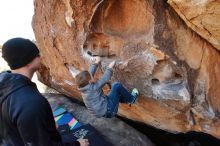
(29, 64)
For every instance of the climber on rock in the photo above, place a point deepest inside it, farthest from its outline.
(26, 118)
(99, 104)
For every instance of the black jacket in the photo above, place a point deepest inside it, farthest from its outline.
(26, 118)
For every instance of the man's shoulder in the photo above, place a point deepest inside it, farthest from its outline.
(27, 95)
(24, 102)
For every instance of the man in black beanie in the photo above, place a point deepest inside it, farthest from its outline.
(26, 118)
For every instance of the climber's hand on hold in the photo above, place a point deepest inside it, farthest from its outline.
(97, 59)
(112, 64)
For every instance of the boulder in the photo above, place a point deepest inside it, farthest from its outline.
(175, 70)
(201, 16)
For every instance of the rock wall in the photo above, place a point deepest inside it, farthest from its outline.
(175, 70)
(203, 16)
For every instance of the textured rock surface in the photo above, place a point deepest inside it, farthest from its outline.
(175, 69)
(203, 16)
(113, 130)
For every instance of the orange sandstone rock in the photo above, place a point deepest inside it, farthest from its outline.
(175, 70)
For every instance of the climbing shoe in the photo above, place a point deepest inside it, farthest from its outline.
(135, 94)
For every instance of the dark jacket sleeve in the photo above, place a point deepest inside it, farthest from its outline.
(36, 125)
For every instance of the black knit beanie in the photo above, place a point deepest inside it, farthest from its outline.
(18, 52)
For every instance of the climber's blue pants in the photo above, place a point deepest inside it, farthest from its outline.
(117, 94)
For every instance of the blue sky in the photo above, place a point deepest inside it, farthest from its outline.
(15, 19)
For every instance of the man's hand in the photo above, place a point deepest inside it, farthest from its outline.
(112, 64)
(83, 142)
